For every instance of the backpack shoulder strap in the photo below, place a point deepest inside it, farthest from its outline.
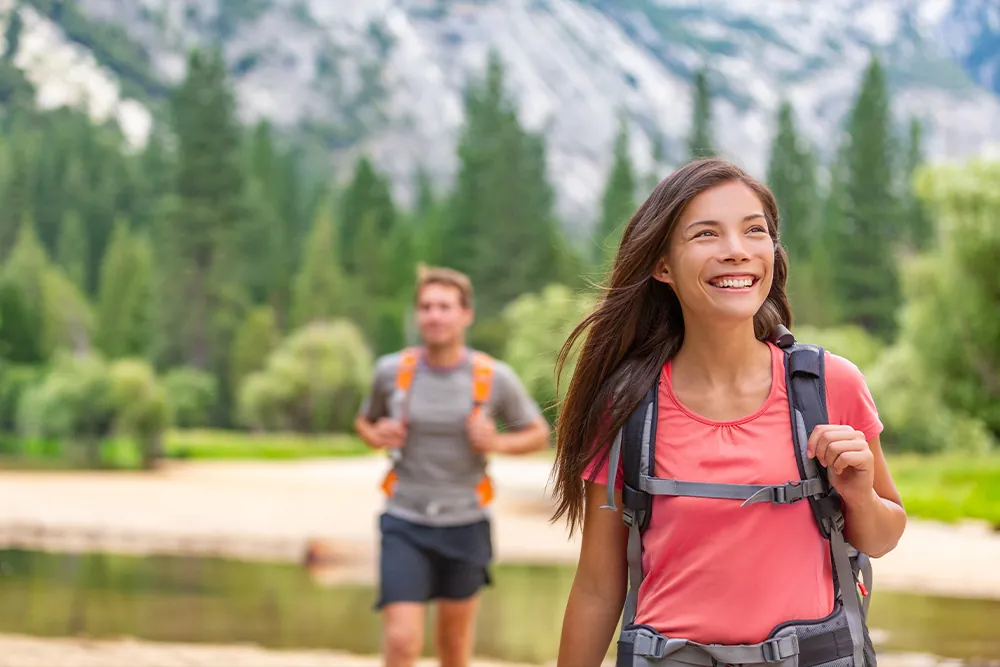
(806, 382)
(805, 379)
(482, 379)
(408, 360)
(638, 451)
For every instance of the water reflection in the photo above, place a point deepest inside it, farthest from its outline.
(282, 606)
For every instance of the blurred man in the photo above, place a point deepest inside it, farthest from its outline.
(433, 409)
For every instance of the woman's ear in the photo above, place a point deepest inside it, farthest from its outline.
(662, 272)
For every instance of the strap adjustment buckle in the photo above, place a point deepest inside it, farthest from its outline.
(784, 494)
(835, 523)
(771, 648)
(649, 646)
(796, 490)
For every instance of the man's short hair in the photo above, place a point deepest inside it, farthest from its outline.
(440, 275)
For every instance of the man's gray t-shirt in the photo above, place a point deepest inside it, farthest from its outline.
(438, 470)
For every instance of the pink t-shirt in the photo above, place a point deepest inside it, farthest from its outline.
(720, 573)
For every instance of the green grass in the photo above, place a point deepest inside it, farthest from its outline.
(949, 487)
(235, 445)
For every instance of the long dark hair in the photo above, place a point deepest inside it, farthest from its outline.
(637, 326)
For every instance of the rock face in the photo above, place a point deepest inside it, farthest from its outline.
(387, 76)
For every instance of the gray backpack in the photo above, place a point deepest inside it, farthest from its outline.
(839, 640)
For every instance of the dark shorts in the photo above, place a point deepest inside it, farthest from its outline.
(422, 563)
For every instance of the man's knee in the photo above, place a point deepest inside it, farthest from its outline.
(403, 633)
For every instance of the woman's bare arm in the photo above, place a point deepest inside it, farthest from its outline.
(875, 521)
(598, 593)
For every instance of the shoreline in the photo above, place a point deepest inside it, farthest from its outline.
(30, 651)
(270, 511)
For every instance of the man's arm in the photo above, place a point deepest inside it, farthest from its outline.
(372, 423)
(531, 438)
(527, 430)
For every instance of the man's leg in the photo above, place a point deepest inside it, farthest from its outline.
(456, 631)
(457, 586)
(402, 633)
(406, 579)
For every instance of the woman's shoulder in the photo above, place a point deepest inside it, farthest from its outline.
(842, 372)
(849, 400)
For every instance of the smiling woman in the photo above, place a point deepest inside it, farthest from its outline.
(724, 241)
(696, 297)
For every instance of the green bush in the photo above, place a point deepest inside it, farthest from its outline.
(538, 325)
(73, 403)
(141, 409)
(849, 341)
(313, 382)
(915, 416)
(83, 401)
(15, 380)
(192, 394)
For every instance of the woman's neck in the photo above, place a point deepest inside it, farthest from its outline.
(719, 356)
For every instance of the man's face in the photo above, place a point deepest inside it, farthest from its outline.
(441, 318)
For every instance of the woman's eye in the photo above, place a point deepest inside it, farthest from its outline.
(702, 233)
(758, 228)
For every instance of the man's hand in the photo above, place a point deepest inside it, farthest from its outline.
(387, 434)
(482, 432)
(845, 454)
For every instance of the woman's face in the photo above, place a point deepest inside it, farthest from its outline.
(720, 261)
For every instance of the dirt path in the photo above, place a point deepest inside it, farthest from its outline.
(270, 510)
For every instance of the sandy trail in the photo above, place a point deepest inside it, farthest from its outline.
(269, 511)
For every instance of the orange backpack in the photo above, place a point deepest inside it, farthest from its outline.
(482, 385)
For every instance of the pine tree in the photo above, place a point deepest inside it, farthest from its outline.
(500, 226)
(73, 250)
(319, 290)
(123, 318)
(618, 202)
(199, 265)
(791, 175)
(658, 154)
(367, 197)
(917, 227)
(700, 143)
(22, 297)
(862, 247)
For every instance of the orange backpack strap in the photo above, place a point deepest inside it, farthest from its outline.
(482, 379)
(482, 386)
(408, 360)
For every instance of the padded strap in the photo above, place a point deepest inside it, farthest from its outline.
(616, 449)
(865, 565)
(849, 593)
(779, 494)
(634, 557)
(770, 651)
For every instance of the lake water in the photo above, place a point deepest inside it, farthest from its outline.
(280, 606)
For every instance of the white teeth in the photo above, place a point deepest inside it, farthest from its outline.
(730, 282)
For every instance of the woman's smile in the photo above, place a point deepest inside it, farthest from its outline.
(734, 282)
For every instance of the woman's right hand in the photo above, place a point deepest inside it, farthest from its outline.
(598, 593)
